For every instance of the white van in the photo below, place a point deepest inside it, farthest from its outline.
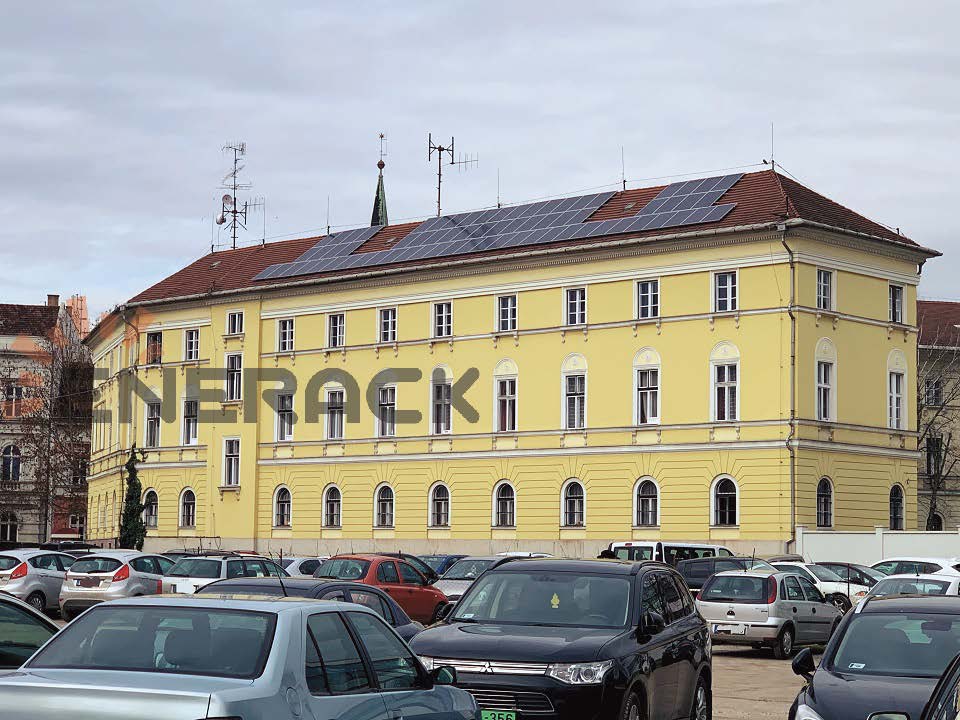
(667, 552)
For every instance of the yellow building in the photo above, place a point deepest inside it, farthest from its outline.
(717, 361)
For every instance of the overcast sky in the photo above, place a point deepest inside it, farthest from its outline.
(113, 114)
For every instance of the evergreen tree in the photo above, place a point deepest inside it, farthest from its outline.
(132, 528)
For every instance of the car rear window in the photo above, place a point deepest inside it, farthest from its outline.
(910, 586)
(634, 552)
(8, 563)
(196, 567)
(735, 589)
(902, 644)
(467, 569)
(266, 588)
(343, 569)
(95, 565)
(824, 574)
(163, 639)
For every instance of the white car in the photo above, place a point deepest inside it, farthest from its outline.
(929, 584)
(191, 573)
(841, 594)
(918, 566)
(301, 566)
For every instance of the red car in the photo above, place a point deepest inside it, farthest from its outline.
(402, 581)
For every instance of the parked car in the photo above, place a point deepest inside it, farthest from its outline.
(886, 657)
(374, 598)
(575, 639)
(779, 610)
(455, 581)
(110, 575)
(917, 585)
(23, 630)
(183, 658)
(918, 566)
(695, 572)
(397, 578)
(421, 565)
(190, 574)
(842, 593)
(34, 576)
(301, 566)
(669, 552)
(178, 554)
(523, 554)
(441, 563)
(859, 574)
(944, 704)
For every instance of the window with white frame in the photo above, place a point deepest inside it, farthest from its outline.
(191, 409)
(824, 391)
(725, 385)
(384, 507)
(332, 501)
(725, 291)
(574, 504)
(896, 303)
(282, 508)
(442, 408)
(648, 299)
(231, 462)
(575, 401)
(896, 508)
(933, 391)
(10, 464)
(235, 322)
(442, 319)
(647, 504)
(188, 509)
(576, 306)
(440, 506)
(191, 344)
(336, 330)
(388, 325)
(895, 400)
(507, 313)
(335, 414)
(648, 396)
(151, 507)
(154, 348)
(824, 289)
(152, 435)
(284, 417)
(824, 503)
(725, 502)
(12, 406)
(234, 390)
(504, 506)
(506, 404)
(285, 335)
(387, 411)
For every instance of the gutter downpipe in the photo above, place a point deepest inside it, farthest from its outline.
(791, 435)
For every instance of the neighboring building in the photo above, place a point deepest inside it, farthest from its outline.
(746, 367)
(939, 396)
(43, 426)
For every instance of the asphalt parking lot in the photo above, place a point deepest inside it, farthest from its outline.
(751, 685)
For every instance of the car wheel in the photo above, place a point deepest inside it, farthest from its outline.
(37, 601)
(784, 647)
(702, 707)
(631, 708)
(840, 602)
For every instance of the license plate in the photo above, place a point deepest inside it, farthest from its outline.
(87, 582)
(186, 588)
(739, 629)
(497, 715)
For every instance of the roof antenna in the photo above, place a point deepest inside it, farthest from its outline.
(623, 169)
(328, 214)
(463, 163)
(231, 214)
(499, 204)
(280, 575)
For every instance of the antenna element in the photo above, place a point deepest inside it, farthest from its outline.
(463, 163)
(233, 215)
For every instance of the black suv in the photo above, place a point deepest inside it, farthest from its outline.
(577, 639)
(696, 572)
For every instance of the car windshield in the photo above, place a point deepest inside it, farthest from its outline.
(20, 635)
(910, 586)
(95, 565)
(196, 567)
(287, 562)
(164, 639)
(824, 574)
(342, 569)
(556, 599)
(735, 589)
(870, 572)
(903, 644)
(435, 561)
(467, 569)
(8, 563)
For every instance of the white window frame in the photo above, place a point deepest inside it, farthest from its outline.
(516, 403)
(342, 335)
(285, 337)
(146, 424)
(714, 364)
(441, 322)
(325, 499)
(276, 497)
(636, 505)
(512, 314)
(448, 430)
(654, 296)
(831, 304)
(825, 413)
(391, 325)
(565, 399)
(191, 351)
(734, 299)
(903, 507)
(430, 502)
(652, 419)
(383, 428)
(180, 523)
(226, 463)
(580, 321)
(563, 504)
(186, 440)
(230, 331)
(156, 523)
(279, 424)
(343, 414)
(896, 408)
(713, 501)
(493, 509)
(376, 507)
(226, 383)
(833, 503)
(896, 311)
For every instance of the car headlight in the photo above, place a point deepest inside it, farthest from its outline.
(591, 673)
(428, 662)
(805, 712)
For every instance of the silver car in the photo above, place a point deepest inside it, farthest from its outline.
(34, 576)
(184, 658)
(22, 631)
(108, 576)
(190, 574)
(462, 574)
(779, 610)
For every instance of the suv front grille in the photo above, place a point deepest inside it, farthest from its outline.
(483, 667)
(527, 702)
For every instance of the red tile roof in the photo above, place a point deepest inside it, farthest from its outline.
(761, 198)
(28, 320)
(939, 322)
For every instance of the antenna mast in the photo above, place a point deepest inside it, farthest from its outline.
(231, 213)
(463, 163)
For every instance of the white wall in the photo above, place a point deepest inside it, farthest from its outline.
(867, 548)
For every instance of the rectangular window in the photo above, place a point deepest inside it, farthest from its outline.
(824, 391)
(190, 421)
(285, 335)
(153, 425)
(191, 344)
(576, 307)
(896, 304)
(934, 453)
(648, 396)
(933, 392)
(335, 412)
(648, 299)
(387, 411)
(725, 292)
(895, 401)
(231, 462)
(725, 387)
(507, 313)
(235, 323)
(336, 330)
(12, 401)
(284, 417)
(388, 325)
(507, 405)
(575, 402)
(824, 290)
(154, 348)
(443, 319)
(234, 377)
(442, 408)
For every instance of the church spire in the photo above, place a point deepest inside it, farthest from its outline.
(379, 216)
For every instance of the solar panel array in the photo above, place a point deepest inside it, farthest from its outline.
(677, 205)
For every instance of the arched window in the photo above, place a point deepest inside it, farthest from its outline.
(647, 505)
(725, 502)
(151, 508)
(896, 508)
(384, 509)
(504, 505)
(440, 506)
(824, 503)
(10, 464)
(8, 527)
(331, 507)
(935, 522)
(282, 508)
(188, 509)
(574, 504)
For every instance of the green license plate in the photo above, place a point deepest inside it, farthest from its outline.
(497, 715)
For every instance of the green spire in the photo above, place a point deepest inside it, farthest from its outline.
(379, 216)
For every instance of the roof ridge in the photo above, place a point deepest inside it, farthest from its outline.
(787, 200)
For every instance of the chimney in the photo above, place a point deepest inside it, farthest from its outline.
(53, 301)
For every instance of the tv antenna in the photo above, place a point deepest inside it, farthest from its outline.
(463, 163)
(232, 214)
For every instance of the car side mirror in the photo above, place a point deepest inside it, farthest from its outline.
(889, 716)
(652, 623)
(444, 675)
(445, 612)
(803, 664)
